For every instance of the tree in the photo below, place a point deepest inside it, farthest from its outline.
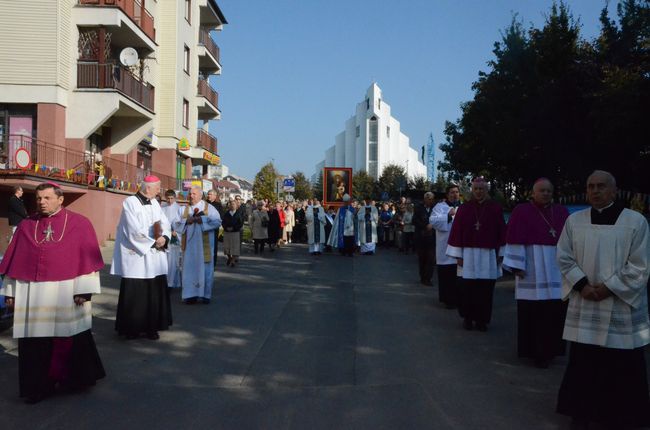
(303, 187)
(553, 104)
(364, 186)
(317, 189)
(264, 184)
(420, 185)
(393, 181)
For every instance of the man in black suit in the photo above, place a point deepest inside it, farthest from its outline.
(425, 239)
(17, 211)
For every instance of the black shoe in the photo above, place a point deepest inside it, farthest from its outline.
(481, 327)
(427, 283)
(153, 335)
(131, 336)
(205, 301)
(190, 301)
(467, 324)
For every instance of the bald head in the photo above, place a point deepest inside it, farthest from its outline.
(542, 192)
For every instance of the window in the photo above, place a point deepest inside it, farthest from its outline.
(188, 10)
(367, 104)
(378, 103)
(372, 152)
(358, 131)
(186, 60)
(373, 130)
(387, 131)
(186, 113)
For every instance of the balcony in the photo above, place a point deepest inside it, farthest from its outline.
(63, 164)
(91, 75)
(206, 141)
(207, 101)
(134, 9)
(208, 52)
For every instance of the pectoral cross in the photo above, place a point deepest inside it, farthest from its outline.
(477, 226)
(48, 233)
(552, 232)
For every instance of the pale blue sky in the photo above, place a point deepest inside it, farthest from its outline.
(294, 70)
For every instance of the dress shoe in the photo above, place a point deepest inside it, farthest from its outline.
(190, 301)
(153, 335)
(131, 336)
(427, 283)
(481, 327)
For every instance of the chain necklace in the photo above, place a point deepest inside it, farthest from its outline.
(551, 230)
(49, 233)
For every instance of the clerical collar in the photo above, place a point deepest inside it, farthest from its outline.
(602, 209)
(144, 200)
(52, 214)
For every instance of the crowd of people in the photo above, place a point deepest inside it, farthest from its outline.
(579, 278)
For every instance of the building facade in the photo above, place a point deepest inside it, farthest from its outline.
(372, 139)
(94, 118)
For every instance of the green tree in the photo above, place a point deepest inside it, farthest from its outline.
(317, 189)
(393, 180)
(303, 187)
(420, 184)
(264, 184)
(364, 186)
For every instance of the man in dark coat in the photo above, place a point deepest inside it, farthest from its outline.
(425, 240)
(17, 211)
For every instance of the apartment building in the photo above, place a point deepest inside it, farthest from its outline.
(96, 94)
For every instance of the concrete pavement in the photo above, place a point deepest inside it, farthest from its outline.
(292, 341)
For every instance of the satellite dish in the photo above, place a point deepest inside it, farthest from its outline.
(128, 57)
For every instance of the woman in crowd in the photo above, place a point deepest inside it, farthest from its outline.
(259, 222)
(232, 224)
(289, 222)
(408, 229)
(275, 226)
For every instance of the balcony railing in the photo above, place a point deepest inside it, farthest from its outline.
(206, 40)
(57, 162)
(206, 141)
(134, 9)
(102, 76)
(206, 91)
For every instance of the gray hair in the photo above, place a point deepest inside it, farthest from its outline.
(197, 187)
(146, 185)
(609, 178)
(428, 195)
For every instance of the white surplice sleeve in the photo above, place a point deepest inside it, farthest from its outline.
(211, 220)
(566, 261)
(515, 257)
(439, 217)
(136, 232)
(630, 282)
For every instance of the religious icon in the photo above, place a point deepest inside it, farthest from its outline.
(337, 182)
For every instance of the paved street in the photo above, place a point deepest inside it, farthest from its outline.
(296, 342)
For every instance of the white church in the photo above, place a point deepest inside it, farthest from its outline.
(371, 140)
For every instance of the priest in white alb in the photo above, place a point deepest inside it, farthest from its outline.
(51, 270)
(198, 222)
(172, 211)
(344, 234)
(442, 218)
(603, 254)
(315, 217)
(143, 233)
(477, 241)
(533, 231)
(368, 217)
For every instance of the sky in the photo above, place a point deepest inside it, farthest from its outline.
(294, 70)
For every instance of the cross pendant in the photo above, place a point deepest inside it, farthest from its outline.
(552, 231)
(48, 233)
(477, 226)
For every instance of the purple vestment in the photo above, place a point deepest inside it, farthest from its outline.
(72, 251)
